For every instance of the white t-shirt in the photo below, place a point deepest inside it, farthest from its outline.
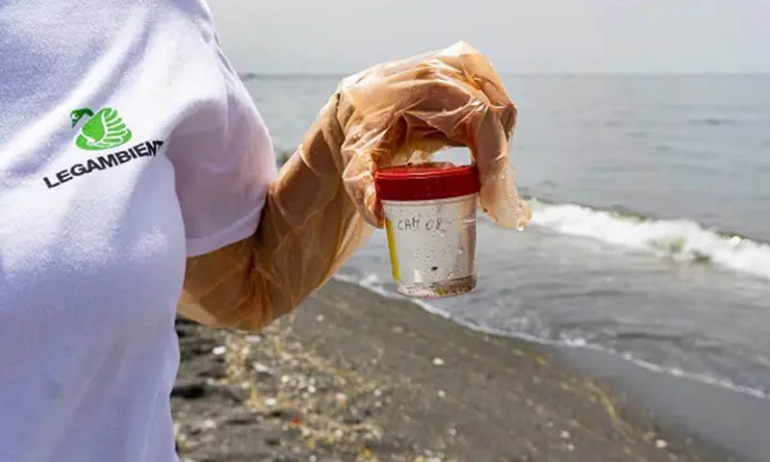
(127, 143)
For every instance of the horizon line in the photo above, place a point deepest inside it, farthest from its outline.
(269, 74)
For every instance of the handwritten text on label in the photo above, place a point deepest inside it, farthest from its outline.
(418, 224)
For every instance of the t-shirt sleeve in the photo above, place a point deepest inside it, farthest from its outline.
(223, 162)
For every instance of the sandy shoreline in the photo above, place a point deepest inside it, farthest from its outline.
(354, 376)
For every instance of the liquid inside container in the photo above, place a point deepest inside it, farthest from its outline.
(430, 220)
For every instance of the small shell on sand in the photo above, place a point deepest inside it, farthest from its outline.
(219, 351)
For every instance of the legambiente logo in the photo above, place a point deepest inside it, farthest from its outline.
(102, 131)
(105, 130)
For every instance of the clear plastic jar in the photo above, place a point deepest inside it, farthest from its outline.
(430, 220)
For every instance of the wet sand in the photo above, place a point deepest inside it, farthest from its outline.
(354, 376)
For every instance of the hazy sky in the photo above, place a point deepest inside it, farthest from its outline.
(520, 36)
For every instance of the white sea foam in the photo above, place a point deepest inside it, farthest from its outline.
(682, 240)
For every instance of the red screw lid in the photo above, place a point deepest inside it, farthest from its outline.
(427, 181)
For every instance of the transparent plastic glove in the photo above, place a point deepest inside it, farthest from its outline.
(323, 205)
(404, 111)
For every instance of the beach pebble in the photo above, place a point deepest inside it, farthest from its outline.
(341, 398)
(378, 392)
(311, 389)
(571, 447)
(272, 440)
(240, 418)
(285, 379)
(565, 434)
(320, 318)
(191, 389)
(661, 444)
(262, 369)
(438, 362)
(219, 351)
(312, 458)
(270, 402)
(209, 424)
(452, 432)
(441, 394)
(253, 338)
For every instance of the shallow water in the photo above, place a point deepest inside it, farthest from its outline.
(651, 200)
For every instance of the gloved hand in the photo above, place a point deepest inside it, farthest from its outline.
(399, 112)
(323, 204)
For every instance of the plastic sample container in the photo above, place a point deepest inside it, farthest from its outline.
(430, 220)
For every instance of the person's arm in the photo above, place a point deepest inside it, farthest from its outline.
(323, 204)
(309, 227)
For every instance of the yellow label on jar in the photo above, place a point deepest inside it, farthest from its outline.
(392, 248)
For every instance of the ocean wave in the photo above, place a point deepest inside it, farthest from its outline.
(373, 283)
(682, 240)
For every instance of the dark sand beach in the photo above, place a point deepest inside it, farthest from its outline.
(354, 376)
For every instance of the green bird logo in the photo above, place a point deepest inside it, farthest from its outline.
(104, 130)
